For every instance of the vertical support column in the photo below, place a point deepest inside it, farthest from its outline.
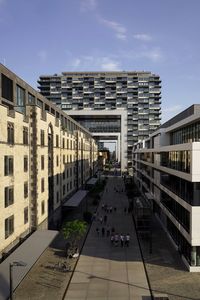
(119, 147)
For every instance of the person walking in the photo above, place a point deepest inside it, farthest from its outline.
(97, 231)
(101, 219)
(103, 231)
(127, 239)
(116, 239)
(122, 240)
(112, 239)
(108, 231)
(105, 219)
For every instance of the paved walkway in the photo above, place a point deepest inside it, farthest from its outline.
(105, 271)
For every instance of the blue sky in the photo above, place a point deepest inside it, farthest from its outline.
(162, 36)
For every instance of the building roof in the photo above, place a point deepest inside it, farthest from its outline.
(28, 252)
(76, 199)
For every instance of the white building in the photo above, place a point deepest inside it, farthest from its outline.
(167, 170)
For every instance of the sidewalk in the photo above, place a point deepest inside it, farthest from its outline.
(105, 271)
(166, 272)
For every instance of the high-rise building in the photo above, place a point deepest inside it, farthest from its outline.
(167, 171)
(121, 106)
(45, 157)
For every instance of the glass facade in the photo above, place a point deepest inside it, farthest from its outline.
(177, 160)
(101, 125)
(20, 98)
(187, 134)
(6, 88)
(183, 246)
(181, 214)
(188, 191)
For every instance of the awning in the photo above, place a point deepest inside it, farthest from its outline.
(92, 181)
(76, 199)
(28, 252)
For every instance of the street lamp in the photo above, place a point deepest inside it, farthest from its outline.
(14, 264)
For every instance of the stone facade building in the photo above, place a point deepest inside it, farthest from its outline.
(46, 156)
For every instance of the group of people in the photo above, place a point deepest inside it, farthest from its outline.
(116, 239)
(123, 239)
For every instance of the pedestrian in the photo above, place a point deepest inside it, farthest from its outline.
(113, 230)
(127, 239)
(112, 239)
(115, 209)
(125, 209)
(111, 209)
(102, 206)
(105, 207)
(116, 239)
(105, 219)
(101, 219)
(108, 231)
(103, 231)
(94, 216)
(122, 240)
(97, 231)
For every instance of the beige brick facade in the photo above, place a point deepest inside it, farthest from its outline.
(45, 157)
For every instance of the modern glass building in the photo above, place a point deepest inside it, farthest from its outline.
(121, 106)
(166, 169)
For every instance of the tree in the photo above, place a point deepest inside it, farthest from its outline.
(74, 230)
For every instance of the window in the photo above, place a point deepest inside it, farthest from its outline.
(42, 207)
(20, 97)
(57, 160)
(40, 103)
(63, 159)
(8, 165)
(9, 196)
(42, 185)
(57, 197)
(10, 133)
(57, 140)
(31, 99)
(26, 215)
(57, 179)
(42, 137)
(63, 189)
(25, 163)
(64, 175)
(25, 189)
(63, 143)
(42, 162)
(9, 226)
(25, 135)
(7, 88)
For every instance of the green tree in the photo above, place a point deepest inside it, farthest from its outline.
(74, 230)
